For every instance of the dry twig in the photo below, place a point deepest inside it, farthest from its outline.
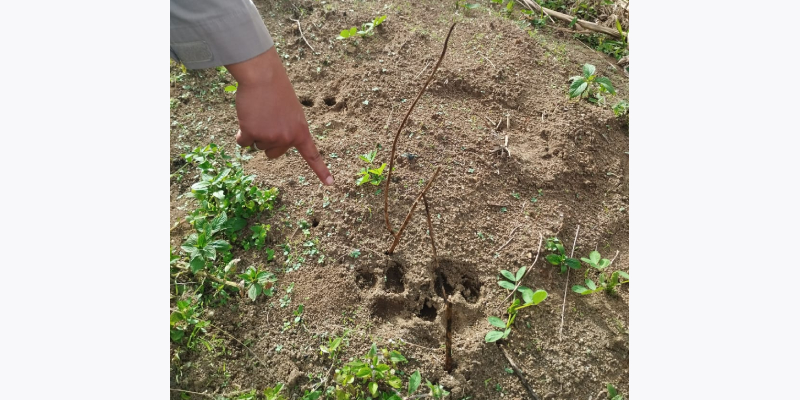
(511, 237)
(411, 211)
(566, 285)
(518, 373)
(301, 34)
(397, 136)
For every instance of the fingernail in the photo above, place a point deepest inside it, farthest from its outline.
(329, 180)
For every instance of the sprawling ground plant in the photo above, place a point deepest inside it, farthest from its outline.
(607, 283)
(529, 298)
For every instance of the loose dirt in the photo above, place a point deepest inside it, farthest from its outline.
(499, 78)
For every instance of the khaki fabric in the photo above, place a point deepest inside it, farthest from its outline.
(210, 33)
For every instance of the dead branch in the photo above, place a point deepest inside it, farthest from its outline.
(532, 5)
(397, 136)
(518, 373)
(202, 274)
(411, 211)
(448, 313)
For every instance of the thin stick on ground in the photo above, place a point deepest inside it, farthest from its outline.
(448, 344)
(566, 285)
(301, 34)
(518, 373)
(400, 129)
(511, 237)
(411, 211)
(231, 394)
(528, 271)
(238, 341)
(423, 70)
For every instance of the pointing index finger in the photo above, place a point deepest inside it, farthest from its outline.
(309, 151)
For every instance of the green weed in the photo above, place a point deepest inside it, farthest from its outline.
(559, 256)
(258, 282)
(584, 84)
(529, 298)
(367, 29)
(368, 174)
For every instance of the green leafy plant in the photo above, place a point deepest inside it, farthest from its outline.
(612, 393)
(559, 257)
(621, 109)
(583, 84)
(201, 246)
(529, 298)
(375, 376)
(185, 318)
(368, 174)
(367, 29)
(333, 347)
(273, 393)
(224, 187)
(607, 283)
(258, 282)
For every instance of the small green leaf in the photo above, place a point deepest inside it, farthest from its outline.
(594, 256)
(588, 70)
(510, 6)
(373, 389)
(605, 83)
(254, 291)
(508, 275)
(527, 294)
(395, 356)
(413, 382)
(578, 87)
(554, 259)
(197, 264)
(395, 382)
(580, 289)
(520, 273)
(573, 263)
(611, 390)
(230, 88)
(175, 334)
(539, 296)
(603, 263)
(590, 284)
(471, 6)
(623, 274)
(497, 322)
(506, 285)
(372, 351)
(493, 336)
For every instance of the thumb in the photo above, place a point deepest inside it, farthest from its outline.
(243, 139)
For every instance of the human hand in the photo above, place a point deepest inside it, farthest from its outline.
(270, 115)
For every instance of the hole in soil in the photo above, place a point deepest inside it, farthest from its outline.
(330, 101)
(176, 164)
(314, 222)
(386, 309)
(457, 276)
(307, 102)
(394, 278)
(427, 313)
(365, 279)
